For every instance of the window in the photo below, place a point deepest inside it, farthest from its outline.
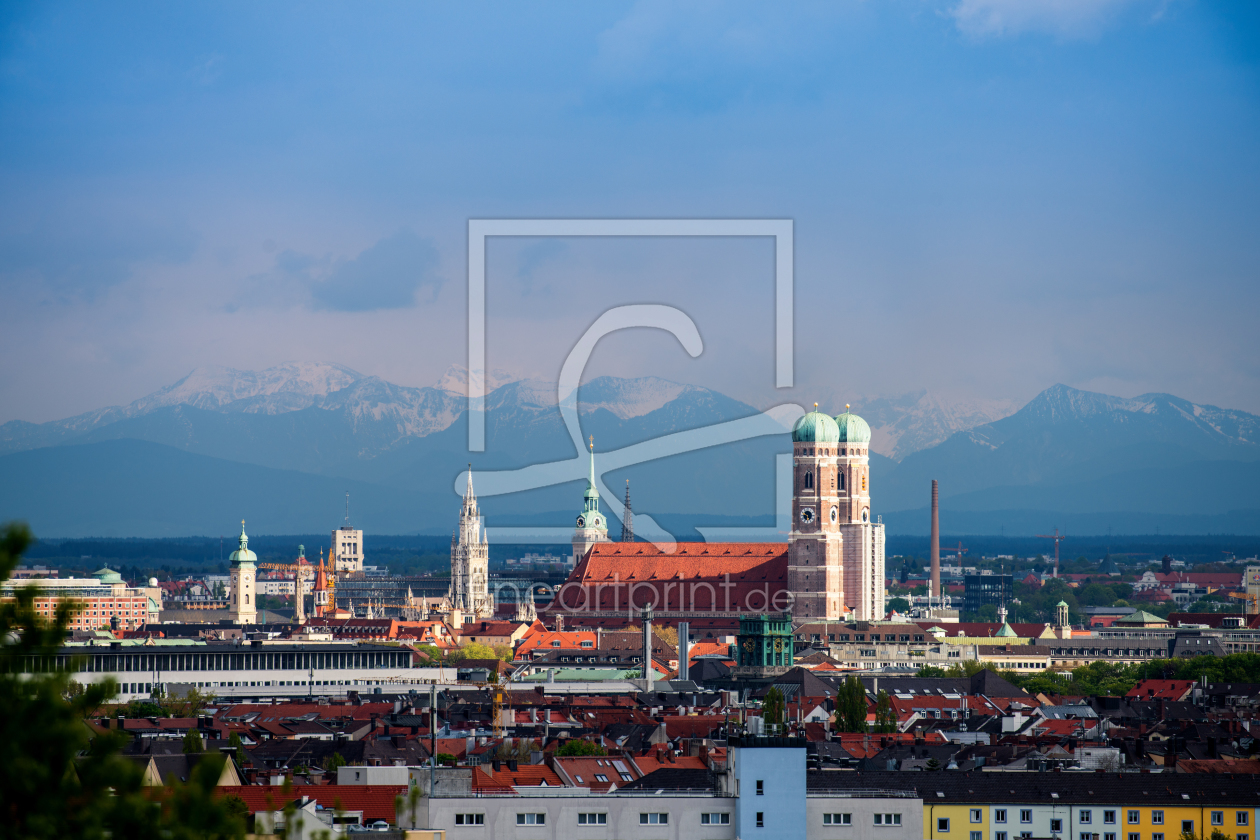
(761, 819)
(1056, 826)
(654, 819)
(1241, 837)
(761, 787)
(1159, 835)
(837, 819)
(809, 481)
(1187, 826)
(470, 819)
(595, 819)
(1025, 815)
(977, 815)
(977, 835)
(1157, 817)
(895, 819)
(999, 815)
(999, 835)
(1085, 817)
(1134, 817)
(600, 777)
(531, 819)
(1241, 817)
(715, 819)
(1218, 818)
(1133, 835)
(1109, 817)
(942, 823)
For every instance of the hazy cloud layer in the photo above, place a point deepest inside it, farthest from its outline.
(990, 196)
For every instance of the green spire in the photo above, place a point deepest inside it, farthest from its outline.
(244, 539)
(592, 495)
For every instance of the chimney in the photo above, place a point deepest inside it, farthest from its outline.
(1167, 562)
(684, 647)
(935, 547)
(559, 624)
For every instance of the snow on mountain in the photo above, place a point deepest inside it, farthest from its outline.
(455, 380)
(409, 412)
(901, 425)
(291, 386)
(628, 398)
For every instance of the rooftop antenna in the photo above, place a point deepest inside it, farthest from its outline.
(347, 508)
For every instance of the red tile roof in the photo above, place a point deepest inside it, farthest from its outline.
(1161, 689)
(375, 801)
(699, 577)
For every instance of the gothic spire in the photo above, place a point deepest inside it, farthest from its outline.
(627, 518)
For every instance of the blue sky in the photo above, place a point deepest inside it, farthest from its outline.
(990, 196)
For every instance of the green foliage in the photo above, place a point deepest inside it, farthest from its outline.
(579, 747)
(430, 653)
(445, 759)
(1233, 667)
(773, 708)
(333, 761)
(476, 650)
(885, 717)
(1103, 594)
(987, 613)
(57, 779)
(241, 756)
(932, 765)
(851, 706)
(192, 742)
(930, 671)
(900, 605)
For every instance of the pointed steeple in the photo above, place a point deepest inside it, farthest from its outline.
(468, 492)
(592, 494)
(627, 518)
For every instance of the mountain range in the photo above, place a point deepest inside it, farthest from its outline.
(282, 446)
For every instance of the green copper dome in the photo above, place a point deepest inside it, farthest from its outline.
(1006, 631)
(107, 576)
(853, 429)
(815, 427)
(243, 556)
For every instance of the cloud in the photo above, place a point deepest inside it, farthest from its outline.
(385, 276)
(1063, 18)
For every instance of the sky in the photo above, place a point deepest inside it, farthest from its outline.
(988, 197)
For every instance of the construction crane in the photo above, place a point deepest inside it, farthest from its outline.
(301, 571)
(961, 551)
(1058, 538)
(1253, 604)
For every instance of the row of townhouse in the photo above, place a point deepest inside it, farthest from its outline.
(763, 790)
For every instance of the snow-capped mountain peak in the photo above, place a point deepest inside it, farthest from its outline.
(286, 387)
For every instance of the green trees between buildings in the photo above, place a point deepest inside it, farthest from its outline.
(476, 650)
(579, 747)
(1113, 679)
(851, 706)
(885, 717)
(192, 742)
(773, 709)
(57, 779)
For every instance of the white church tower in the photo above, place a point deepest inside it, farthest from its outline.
(591, 527)
(469, 593)
(243, 583)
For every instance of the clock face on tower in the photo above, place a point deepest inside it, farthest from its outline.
(581, 523)
(835, 513)
(807, 515)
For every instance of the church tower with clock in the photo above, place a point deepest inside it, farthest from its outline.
(591, 527)
(815, 573)
(863, 555)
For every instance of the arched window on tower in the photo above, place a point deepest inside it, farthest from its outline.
(841, 481)
(809, 481)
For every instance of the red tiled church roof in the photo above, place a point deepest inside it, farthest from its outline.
(700, 577)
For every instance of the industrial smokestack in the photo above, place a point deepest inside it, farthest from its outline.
(936, 542)
(648, 673)
(684, 650)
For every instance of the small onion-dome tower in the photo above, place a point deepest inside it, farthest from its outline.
(816, 427)
(242, 582)
(853, 429)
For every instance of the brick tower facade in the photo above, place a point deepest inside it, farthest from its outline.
(815, 574)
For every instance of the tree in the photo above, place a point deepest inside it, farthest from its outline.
(57, 779)
(666, 634)
(445, 759)
(930, 671)
(885, 717)
(772, 709)
(932, 765)
(900, 605)
(333, 761)
(241, 756)
(472, 650)
(851, 706)
(580, 747)
(192, 742)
